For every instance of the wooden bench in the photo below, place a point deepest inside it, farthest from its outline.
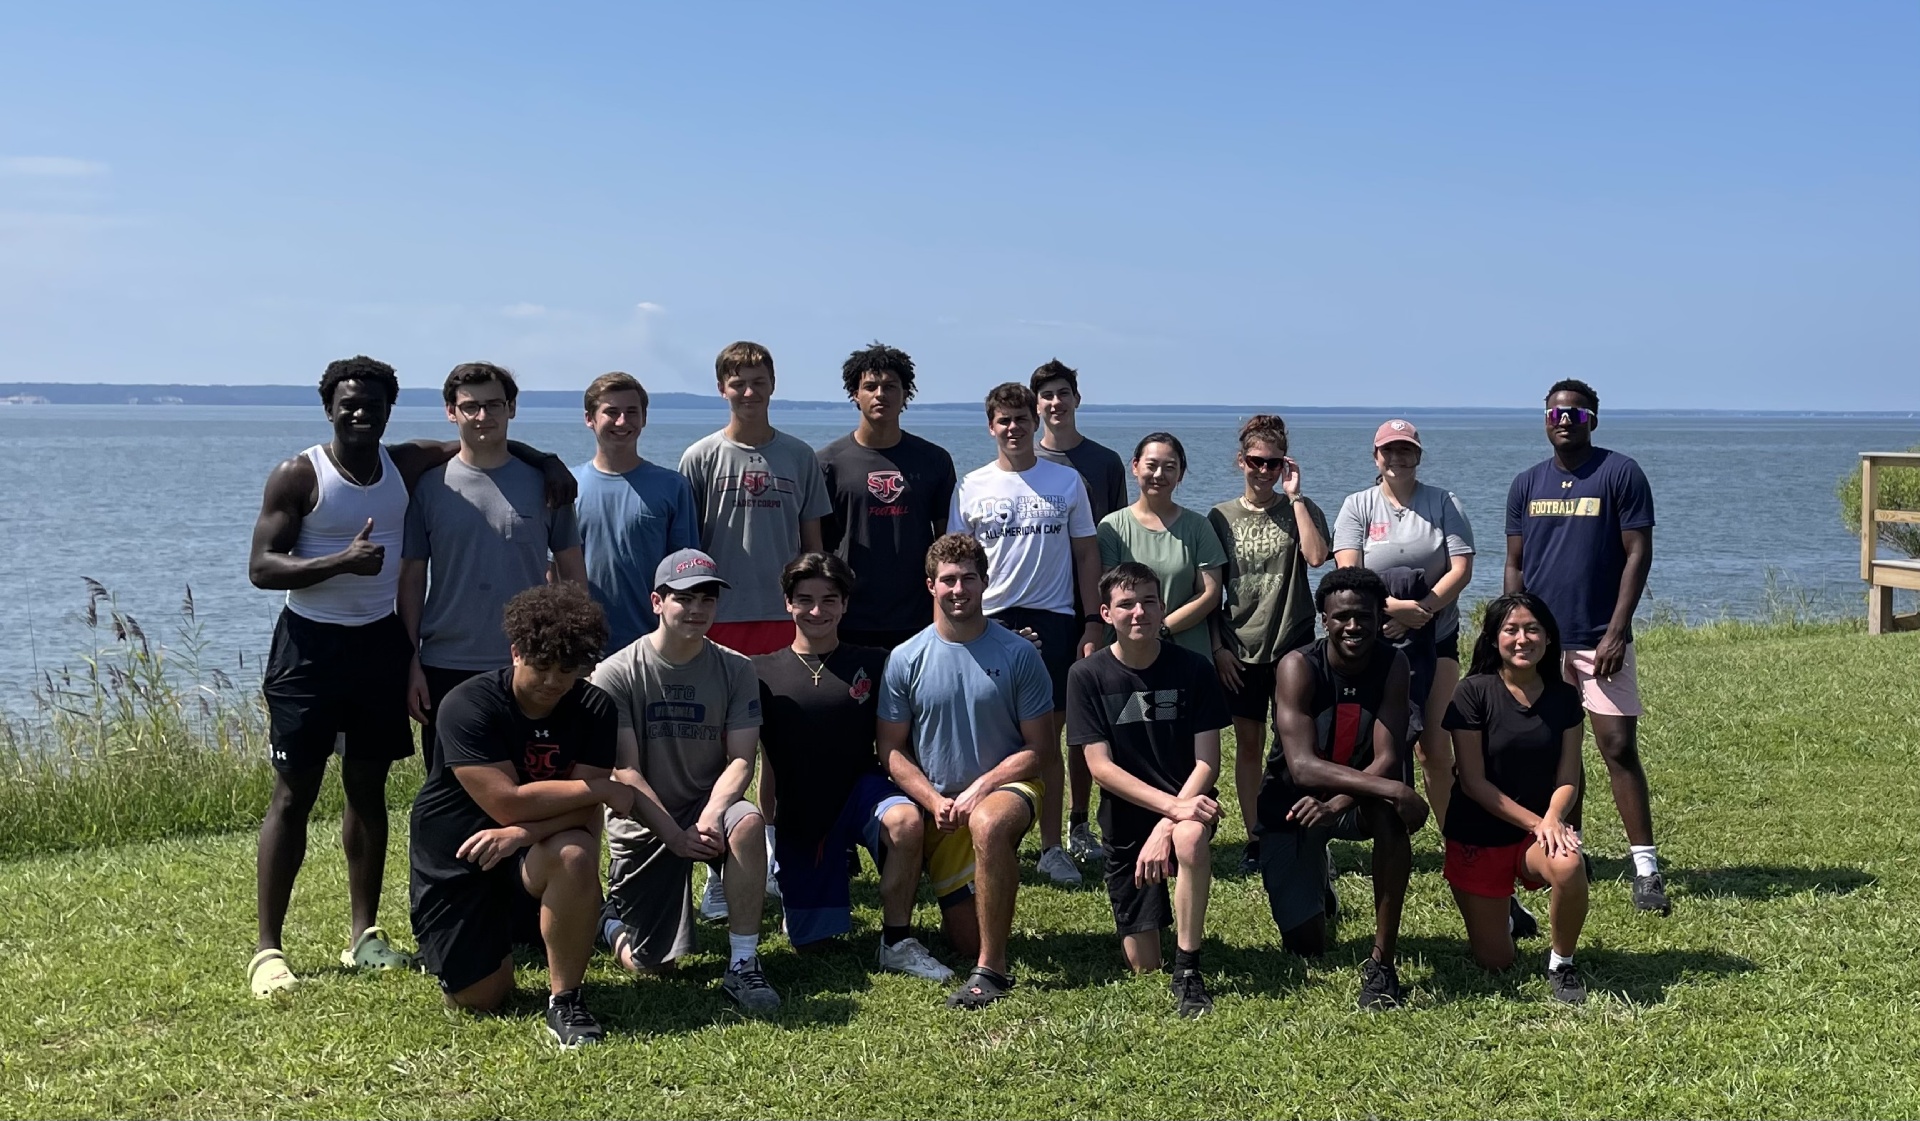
(1884, 574)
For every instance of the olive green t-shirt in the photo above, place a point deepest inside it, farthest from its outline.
(1269, 609)
(1176, 554)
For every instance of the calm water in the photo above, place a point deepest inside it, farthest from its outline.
(151, 500)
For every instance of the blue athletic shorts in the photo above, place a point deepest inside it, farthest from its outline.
(814, 891)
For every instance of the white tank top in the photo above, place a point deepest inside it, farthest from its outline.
(338, 516)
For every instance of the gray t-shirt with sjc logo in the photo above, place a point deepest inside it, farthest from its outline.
(751, 502)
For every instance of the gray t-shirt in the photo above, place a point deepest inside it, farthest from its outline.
(486, 537)
(751, 503)
(1102, 468)
(1423, 534)
(680, 714)
(964, 702)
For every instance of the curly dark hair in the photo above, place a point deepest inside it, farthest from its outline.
(1486, 648)
(556, 625)
(1265, 428)
(359, 368)
(1013, 397)
(1352, 578)
(477, 373)
(1055, 370)
(877, 359)
(817, 566)
(956, 548)
(1575, 385)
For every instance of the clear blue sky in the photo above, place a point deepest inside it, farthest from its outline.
(1408, 204)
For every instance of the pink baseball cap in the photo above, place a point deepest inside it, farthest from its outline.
(1396, 432)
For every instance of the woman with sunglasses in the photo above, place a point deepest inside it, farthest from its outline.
(1176, 543)
(1401, 522)
(1516, 726)
(1272, 534)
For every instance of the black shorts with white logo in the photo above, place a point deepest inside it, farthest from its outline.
(329, 683)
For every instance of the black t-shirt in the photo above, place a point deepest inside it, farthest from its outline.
(819, 738)
(1147, 718)
(478, 723)
(1521, 746)
(888, 506)
(1105, 473)
(1344, 710)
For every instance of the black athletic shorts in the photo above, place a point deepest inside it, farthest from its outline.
(467, 924)
(1059, 634)
(325, 681)
(1136, 908)
(1448, 647)
(1254, 701)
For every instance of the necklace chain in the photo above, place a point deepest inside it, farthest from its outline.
(808, 666)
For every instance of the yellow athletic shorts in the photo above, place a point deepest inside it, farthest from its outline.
(949, 856)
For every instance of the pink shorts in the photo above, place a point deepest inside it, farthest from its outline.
(1618, 695)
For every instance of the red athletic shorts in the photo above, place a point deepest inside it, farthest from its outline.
(1489, 870)
(761, 637)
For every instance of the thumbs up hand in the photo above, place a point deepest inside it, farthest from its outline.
(362, 557)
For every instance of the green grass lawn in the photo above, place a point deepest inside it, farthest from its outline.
(1783, 765)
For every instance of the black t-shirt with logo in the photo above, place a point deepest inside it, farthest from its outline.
(888, 506)
(1521, 746)
(1345, 711)
(1147, 718)
(819, 736)
(479, 723)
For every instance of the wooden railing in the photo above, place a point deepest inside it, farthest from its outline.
(1884, 574)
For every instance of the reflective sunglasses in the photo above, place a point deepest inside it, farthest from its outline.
(1558, 415)
(1262, 463)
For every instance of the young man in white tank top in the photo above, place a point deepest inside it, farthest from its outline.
(329, 535)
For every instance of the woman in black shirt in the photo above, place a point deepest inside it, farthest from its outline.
(1516, 749)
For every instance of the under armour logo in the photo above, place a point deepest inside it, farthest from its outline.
(1349, 691)
(1566, 484)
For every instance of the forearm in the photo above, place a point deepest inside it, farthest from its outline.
(284, 572)
(537, 801)
(912, 781)
(731, 785)
(647, 807)
(1317, 774)
(1117, 782)
(527, 453)
(1200, 779)
(1498, 804)
(1021, 765)
(1562, 803)
(1190, 614)
(1448, 588)
(1633, 584)
(1313, 544)
(590, 818)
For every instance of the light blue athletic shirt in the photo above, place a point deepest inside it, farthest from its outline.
(964, 701)
(628, 522)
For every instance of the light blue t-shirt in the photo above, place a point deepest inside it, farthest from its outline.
(965, 701)
(628, 523)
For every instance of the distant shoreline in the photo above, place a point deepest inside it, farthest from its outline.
(29, 394)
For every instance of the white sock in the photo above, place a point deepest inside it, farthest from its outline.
(1555, 961)
(742, 947)
(1645, 861)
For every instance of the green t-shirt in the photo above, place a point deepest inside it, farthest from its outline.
(1269, 608)
(1177, 555)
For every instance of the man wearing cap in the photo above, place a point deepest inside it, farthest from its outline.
(689, 713)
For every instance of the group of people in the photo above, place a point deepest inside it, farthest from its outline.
(612, 651)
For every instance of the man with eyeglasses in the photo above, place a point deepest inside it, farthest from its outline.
(477, 534)
(1580, 536)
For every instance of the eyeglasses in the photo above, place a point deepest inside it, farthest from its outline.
(1558, 415)
(472, 408)
(1262, 463)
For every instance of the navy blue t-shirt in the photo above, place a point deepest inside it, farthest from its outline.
(1569, 525)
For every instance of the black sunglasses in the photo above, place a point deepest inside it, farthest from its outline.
(1262, 463)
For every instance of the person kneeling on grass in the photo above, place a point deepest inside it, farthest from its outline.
(818, 700)
(506, 830)
(1340, 718)
(1149, 714)
(966, 708)
(1516, 750)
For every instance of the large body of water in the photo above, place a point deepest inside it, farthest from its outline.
(151, 500)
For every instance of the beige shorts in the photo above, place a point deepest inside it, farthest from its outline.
(1618, 695)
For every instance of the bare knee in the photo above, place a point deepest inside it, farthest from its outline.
(574, 855)
(751, 824)
(294, 795)
(1308, 940)
(1190, 844)
(903, 827)
(1496, 957)
(486, 994)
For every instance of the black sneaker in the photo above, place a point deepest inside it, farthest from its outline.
(1250, 859)
(1520, 921)
(1650, 894)
(1565, 985)
(1379, 987)
(569, 1022)
(1190, 994)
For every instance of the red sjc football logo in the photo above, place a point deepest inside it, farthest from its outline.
(755, 482)
(886, 485)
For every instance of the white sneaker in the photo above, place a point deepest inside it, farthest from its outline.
(773, 887)
(909, 956)
(1057, 866)
(713, 901)
(1082, 844)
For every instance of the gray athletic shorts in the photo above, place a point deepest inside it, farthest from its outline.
(1293, 867)
(650, 891)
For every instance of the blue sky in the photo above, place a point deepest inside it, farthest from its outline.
(1382, 204)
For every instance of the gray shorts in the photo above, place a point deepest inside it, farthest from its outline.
(650, 891)
(1293, 867)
